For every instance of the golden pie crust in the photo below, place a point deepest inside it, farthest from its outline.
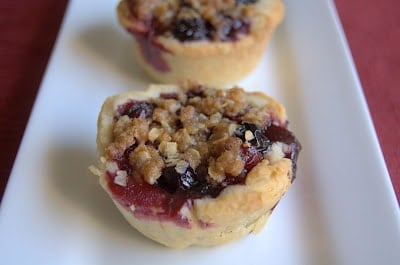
(237, 211)
(209, 62)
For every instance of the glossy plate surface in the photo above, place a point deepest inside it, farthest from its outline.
(340, 210)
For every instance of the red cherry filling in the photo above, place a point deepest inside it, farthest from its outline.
(150, 201)
(251, 156)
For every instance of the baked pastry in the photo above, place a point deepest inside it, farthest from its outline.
(195, 165)
(209, 41)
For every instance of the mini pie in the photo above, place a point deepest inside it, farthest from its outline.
(194, 165)
(210, 41)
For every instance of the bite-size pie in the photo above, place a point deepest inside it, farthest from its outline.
(209, 41)
(195, 165)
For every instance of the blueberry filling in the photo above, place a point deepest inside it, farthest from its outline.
(189, 23)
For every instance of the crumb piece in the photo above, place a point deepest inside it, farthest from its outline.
(170, 152)
(276, 153)
(183, 139)
(121, 178)
(121, 125)
(215, 118)
(168, 149)
(248, 135)
(181, 166)
(154, 133)
(163, 117)
(193, 157)
(147, 162)
(112, 167)
(228, 162)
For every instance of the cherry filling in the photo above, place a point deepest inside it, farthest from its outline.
(150, 202)
(164, 199)
(251, 156)
(151, 52)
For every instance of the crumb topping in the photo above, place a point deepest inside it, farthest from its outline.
(191, 20)
(198, 139)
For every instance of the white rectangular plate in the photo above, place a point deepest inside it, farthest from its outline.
(340, 210)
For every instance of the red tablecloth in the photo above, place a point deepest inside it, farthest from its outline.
(28, 30)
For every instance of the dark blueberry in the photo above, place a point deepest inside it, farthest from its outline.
(206, 189)
(193, 182)
(188, 179)
(169, 180)
(136, 109)
(203, 187)
(245, 2)
(260, 141)
(190, 29)
(241, 130)
(232, 28)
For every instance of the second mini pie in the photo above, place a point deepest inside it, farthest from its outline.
(209, 41)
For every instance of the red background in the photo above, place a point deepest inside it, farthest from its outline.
(28, 30)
